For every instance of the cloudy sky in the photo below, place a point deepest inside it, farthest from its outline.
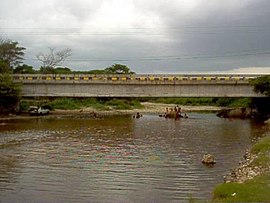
(149, 36)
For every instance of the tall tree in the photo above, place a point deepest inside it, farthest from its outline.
(53, 58)
(10, 56)
(10, 53)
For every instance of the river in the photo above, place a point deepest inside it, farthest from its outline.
(118, 158)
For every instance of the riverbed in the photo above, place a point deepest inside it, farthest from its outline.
(118, 158)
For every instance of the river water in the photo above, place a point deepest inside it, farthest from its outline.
(118, 158)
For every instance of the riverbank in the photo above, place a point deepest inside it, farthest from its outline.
(148, 107)
(250, 182)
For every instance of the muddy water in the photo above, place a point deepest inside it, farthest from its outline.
(118, 158)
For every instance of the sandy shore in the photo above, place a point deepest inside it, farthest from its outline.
(157, 108)
(153, 108)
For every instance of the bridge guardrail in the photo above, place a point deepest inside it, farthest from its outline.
(151, 79)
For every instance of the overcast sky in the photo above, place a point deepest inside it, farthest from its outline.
(149, 36)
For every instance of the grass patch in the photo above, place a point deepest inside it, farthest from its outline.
(262, 149)
(262, 146)
(255, 190)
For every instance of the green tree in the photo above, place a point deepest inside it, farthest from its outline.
(10, 53)
(4, 68)
(262, 85)
(9, 93)
(10, 56)
(24, 69)
(118, 69)
(47, 70)
(62, 70)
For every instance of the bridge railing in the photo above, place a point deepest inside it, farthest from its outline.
(134, 78)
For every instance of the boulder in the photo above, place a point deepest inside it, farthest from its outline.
(236, 113)
(208, 159)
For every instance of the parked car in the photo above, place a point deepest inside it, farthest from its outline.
(38, 111)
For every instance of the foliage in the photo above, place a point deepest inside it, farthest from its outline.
(24, 106)
(118, 69)
(9, 93)
(65, 104)
(118, 104)
(70, 104)
(90, 72)
(24, 69)
(56, 70)
(227, 102)
(262, 85)
(4, 68)
(47, 70)
(185, 101)
(10, 53)
(62, 70)
(233, 102)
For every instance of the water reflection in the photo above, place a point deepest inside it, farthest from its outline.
(118, 158)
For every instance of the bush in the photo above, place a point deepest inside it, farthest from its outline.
(233, 102)
(262, 85)
(65, 104)
(185, 101)
(9, 94)
(118, 104)
(24, 106)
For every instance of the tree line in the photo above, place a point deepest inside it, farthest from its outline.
(11, 62)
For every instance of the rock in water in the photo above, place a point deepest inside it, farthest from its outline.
(208, 159)
(267, 121)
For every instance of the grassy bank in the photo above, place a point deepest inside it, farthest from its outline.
(128, 104)
(225, 102)
(255, 189)
(72, 104)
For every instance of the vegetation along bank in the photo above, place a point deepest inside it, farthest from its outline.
(250, 182)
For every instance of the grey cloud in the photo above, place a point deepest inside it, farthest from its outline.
(80, 9)
(211, 36)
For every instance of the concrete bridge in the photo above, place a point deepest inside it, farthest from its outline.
(86, 85)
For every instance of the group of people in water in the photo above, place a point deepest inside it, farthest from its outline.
(173, 113)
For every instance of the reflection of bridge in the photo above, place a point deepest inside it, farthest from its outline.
(86, 85)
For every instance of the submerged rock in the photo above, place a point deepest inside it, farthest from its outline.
(208, 159)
